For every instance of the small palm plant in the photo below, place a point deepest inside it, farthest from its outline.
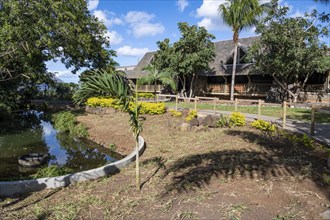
(115, 85)
(155, 76)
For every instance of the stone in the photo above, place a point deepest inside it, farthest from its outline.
(185, 126)
(199, 129)
(185, 112)
(109, 110)
(325, 215)
(328, 162)
(210, 120)
(194, 122)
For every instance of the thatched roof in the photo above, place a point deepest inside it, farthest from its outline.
(223, 50)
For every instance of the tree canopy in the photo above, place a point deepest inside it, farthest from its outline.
(290, 48)
(33, 32)
(186, 57)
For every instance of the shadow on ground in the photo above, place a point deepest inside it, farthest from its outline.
(275, 159)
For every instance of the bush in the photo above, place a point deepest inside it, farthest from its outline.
(51, 171)
(191, 115)
(146, 107)
(224, 121)
(67, 122)
(147, 95)
(175, 113)
(264, 125)
(237, 119)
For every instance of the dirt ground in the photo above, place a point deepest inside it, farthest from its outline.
(218, 173)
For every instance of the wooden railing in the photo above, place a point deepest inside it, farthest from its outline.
(150, 88)
(243, 89)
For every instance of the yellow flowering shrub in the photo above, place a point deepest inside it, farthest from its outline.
(237, 119)
(175, 113)
(191, 115)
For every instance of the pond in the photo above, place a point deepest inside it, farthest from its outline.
(32, 132)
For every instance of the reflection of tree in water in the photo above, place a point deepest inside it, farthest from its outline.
(81, 154)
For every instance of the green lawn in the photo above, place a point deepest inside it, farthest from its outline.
(303, 114)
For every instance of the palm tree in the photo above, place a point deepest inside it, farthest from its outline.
(240, 14)
(155, 76)
(114, 84)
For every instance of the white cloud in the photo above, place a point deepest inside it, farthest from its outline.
(298, 14)
(67, 76)
(92, 4)
(140, 24)
(131, 51)
(108, 18)
(182, 4)
(114, 37)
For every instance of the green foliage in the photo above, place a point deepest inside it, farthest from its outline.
(147, 95)
(290, 48)
(112, 147)
(4, 110)
(186, 57)
(191, 115)
(67, 122)
(34, 32)
(303, 140)
(145, 107)
(263, 125)
(326, 178)
(224, 121)
(154, 76)
(51, 171)
(175, 113)
(237, 119)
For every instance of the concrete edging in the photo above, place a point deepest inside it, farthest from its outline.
(11, 188)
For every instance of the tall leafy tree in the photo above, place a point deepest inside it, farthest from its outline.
(154, 76)
(290, 48)
(187, 57)
(34, 32)
(114, 84)
(240, 15)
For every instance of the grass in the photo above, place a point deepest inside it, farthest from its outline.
(302, 114)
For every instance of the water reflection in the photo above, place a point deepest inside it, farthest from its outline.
(31, 132)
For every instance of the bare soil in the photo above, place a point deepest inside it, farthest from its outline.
(236, 173)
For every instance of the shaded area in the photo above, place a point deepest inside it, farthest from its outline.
(275, 159)
(158, 162)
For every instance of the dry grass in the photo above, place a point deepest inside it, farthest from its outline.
(218, 173)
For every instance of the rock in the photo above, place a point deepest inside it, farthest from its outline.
(210, 120)
(109, 110)
(200, 119)
(328, 162)
(194, 122)
(325, 215)
(199, 129)
(185, 112)
(185, 126)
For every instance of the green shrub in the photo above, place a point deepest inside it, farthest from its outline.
(191, 115)
(224, 121)
(67, 122)
(5, 110)
(237, 119)
(147, 95)
(175, 113)
(51, 171)
(264, 125)
(307, 141)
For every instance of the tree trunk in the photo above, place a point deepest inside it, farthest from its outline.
(191, 86)
(232, 86)
(293, 95)
(137, 166)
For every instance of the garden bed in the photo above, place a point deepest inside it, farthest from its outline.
(218, 173)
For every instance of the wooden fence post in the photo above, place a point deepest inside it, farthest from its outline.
(156, 98)
(236, 102)
(313, 120)
(284, 114)
(259, 108)
(195, 104)
(176, 102)
(214, 102)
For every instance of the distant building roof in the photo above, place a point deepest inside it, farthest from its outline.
(221, 65)
(124, 68)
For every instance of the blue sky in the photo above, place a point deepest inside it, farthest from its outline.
(135, 26)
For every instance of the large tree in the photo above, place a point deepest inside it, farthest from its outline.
(290, 48)
(187, 57)
(33, 32)
(240, 15)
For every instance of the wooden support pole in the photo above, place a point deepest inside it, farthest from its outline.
(284, 114)
(259, 108)
(157, 98)
(176, 102)
(236, 102)
(313, 121)
(214, 103)
(195, 103)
